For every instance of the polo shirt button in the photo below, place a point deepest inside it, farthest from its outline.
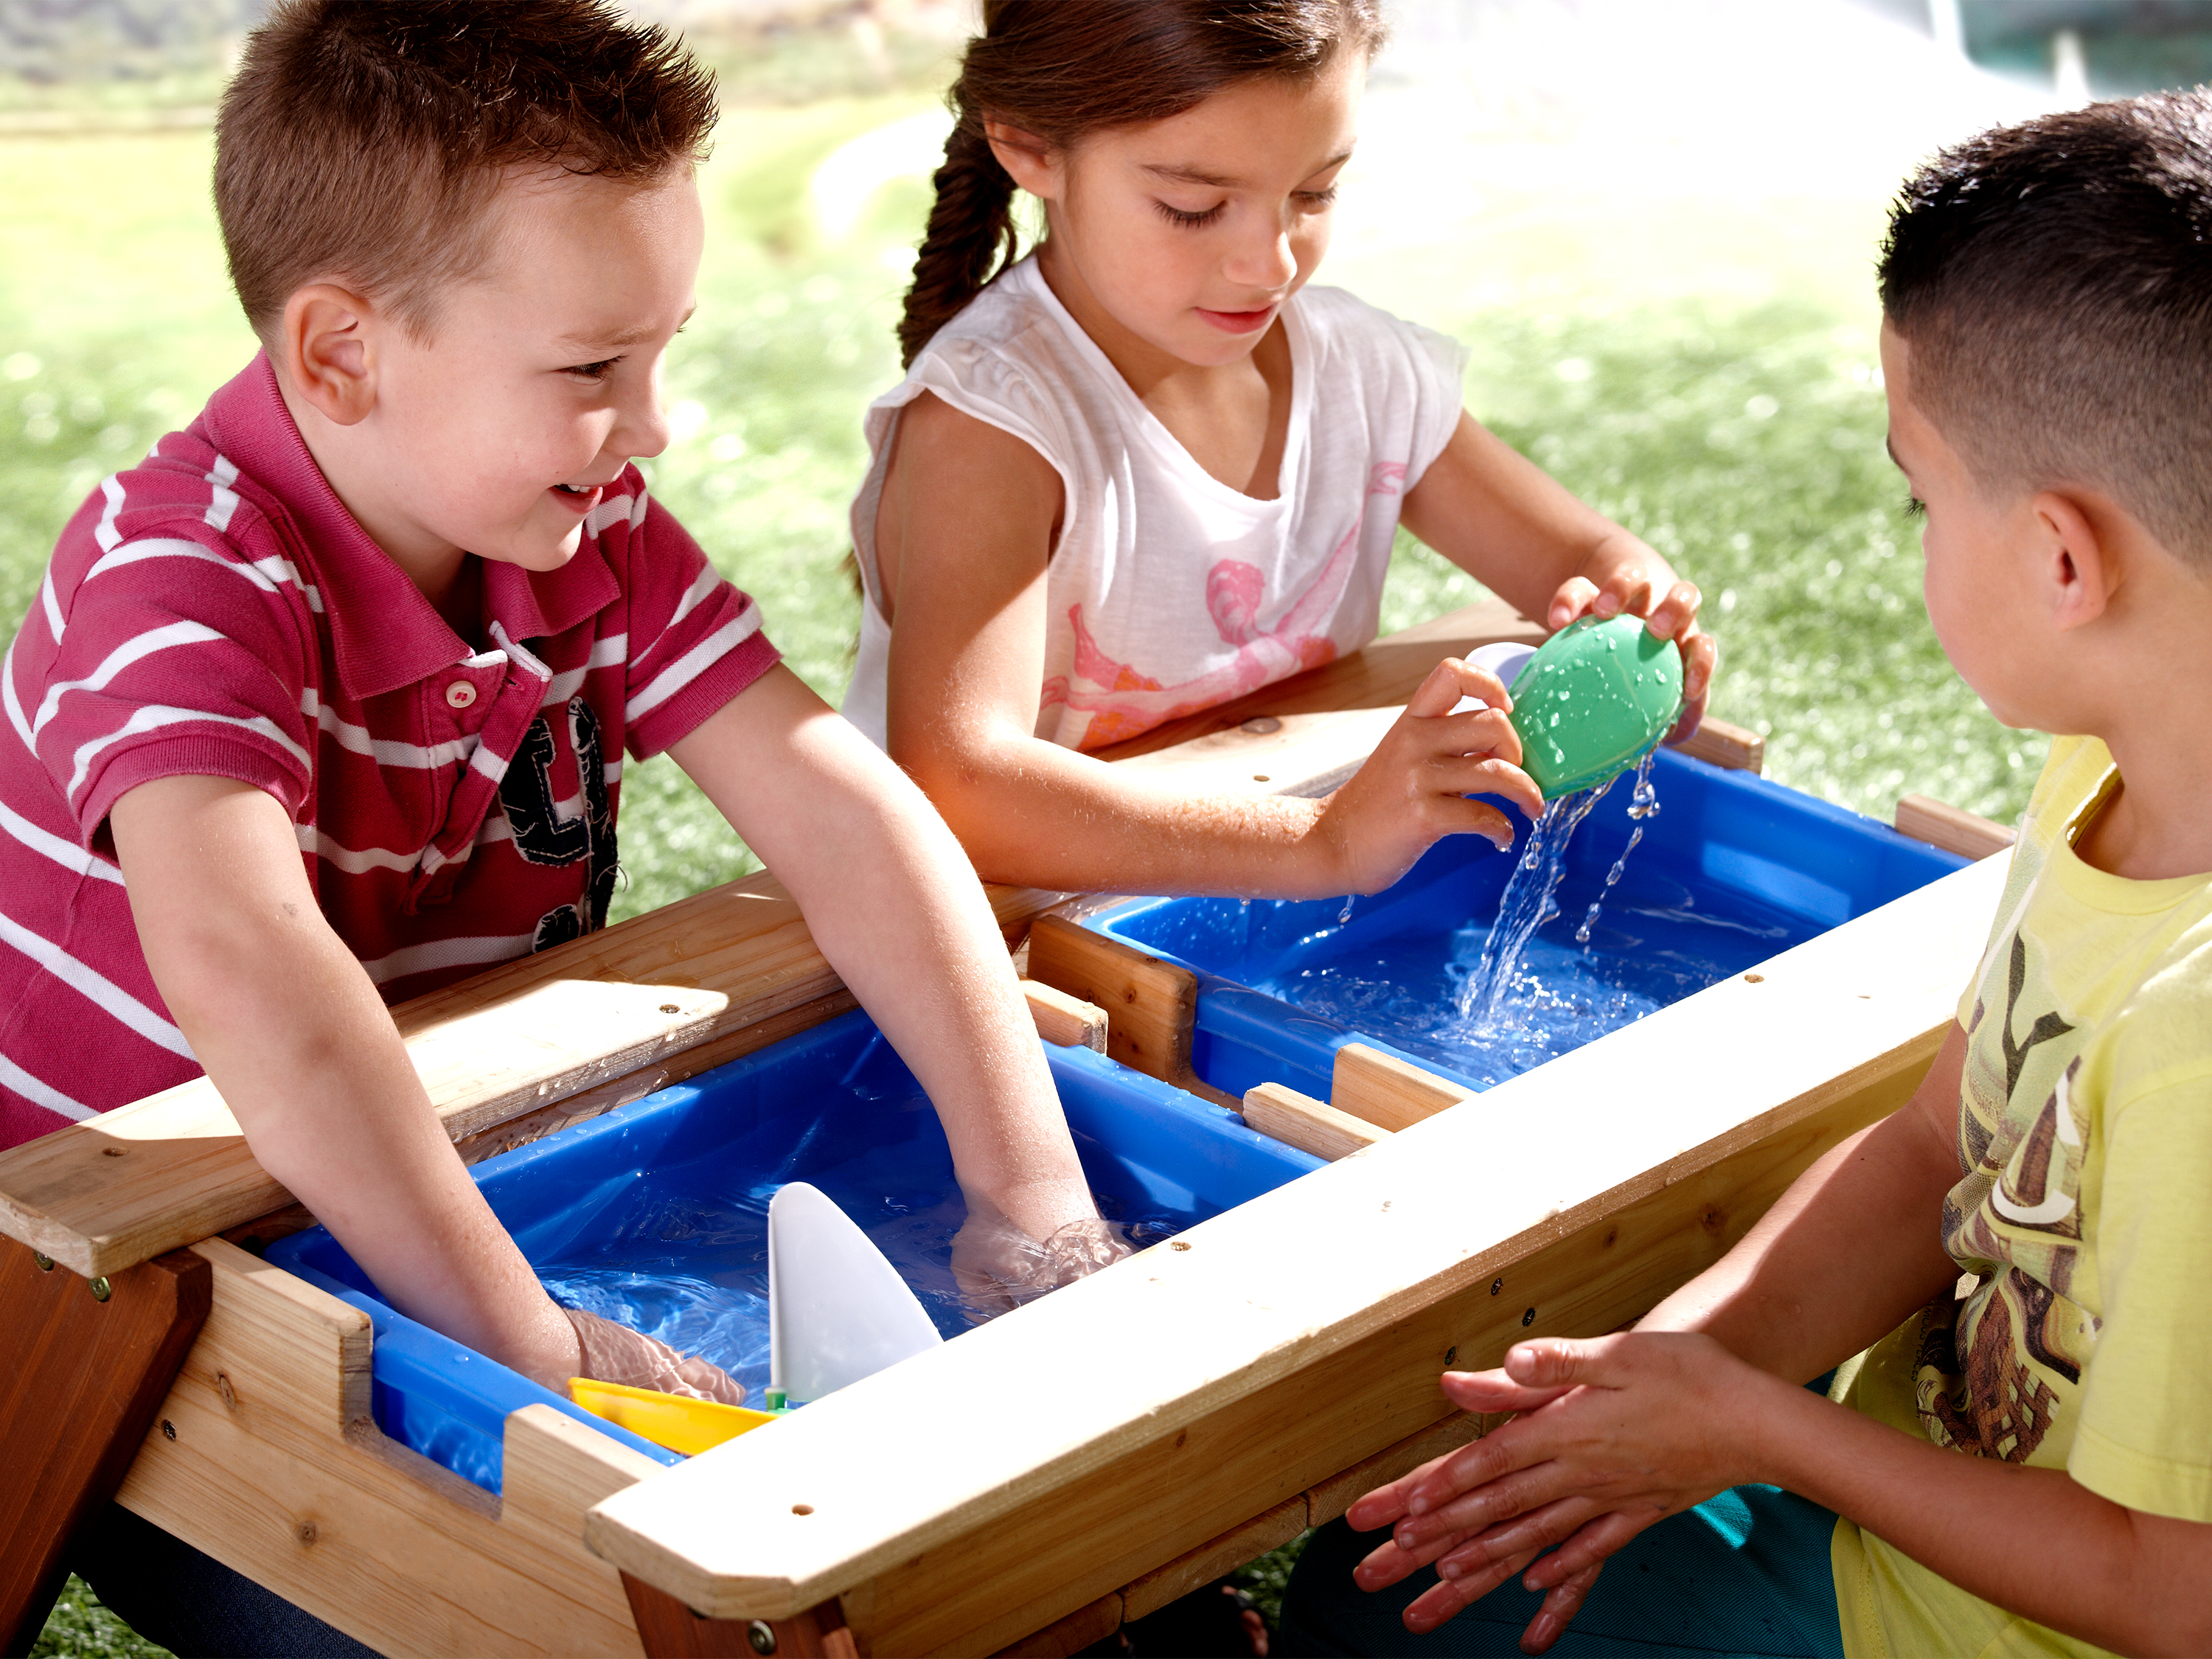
(460, 694)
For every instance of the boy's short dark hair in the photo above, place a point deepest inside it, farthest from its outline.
(363, 140)
(2053, 281)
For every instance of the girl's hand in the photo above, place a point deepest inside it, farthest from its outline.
(1632, 586)
(1614, 1435)
(1410, 793)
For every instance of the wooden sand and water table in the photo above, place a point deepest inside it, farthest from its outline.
(1128, 1438)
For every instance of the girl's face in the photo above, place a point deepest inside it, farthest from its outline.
(1189, 234)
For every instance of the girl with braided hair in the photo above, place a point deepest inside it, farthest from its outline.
(1146, 469)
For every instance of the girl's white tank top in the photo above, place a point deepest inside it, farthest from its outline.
(1170, 591)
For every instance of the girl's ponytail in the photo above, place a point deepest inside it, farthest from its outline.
(1058, 70)
(970, 240)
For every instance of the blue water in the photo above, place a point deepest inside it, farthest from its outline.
(685, 1259)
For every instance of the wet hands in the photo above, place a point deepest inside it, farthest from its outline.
(1412, 790)
(1668, 607)
(999, 1266)
(609, 1352)
(1612, 1435)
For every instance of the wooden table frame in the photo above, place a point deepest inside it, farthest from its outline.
(1071, 1495)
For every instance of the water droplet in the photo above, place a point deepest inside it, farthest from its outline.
(1344, 915)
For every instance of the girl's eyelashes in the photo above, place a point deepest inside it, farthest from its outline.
(1915, 508)
(1314, 200)
(1176, 215)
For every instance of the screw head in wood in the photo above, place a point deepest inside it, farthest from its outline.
(1451, 1353)
(101, 1291)
(46, 1263)
(1496, 1285)
(168, 1430)
(1528, 1318)
(760, 1637)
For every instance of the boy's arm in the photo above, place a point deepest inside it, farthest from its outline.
(1649, 1425)
(1848, 1252)
(978, 511)
(292, 1033)
(897, 909)
(1503, 521)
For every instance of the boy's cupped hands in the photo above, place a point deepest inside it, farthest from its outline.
(1613, 1434)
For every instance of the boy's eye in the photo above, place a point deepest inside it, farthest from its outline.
(1176, 215)
(1915, 508)
(593, 371)
(1313, 201)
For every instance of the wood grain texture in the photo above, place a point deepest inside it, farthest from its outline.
(1065, 1638)
(1567, 1202)
(668, 1629)
(101, 1195)
(278, 1470)
(81, 1379)
(1719, 744)
(1951, 827)
(1065, 1021)
(1271, 1528)
(1325, 1502)
(1388, 1092)
(1300, 1121)
(1151, 1005)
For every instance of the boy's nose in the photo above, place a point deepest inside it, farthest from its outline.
(641, 427)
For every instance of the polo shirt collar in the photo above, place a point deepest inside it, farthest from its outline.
(385, 633)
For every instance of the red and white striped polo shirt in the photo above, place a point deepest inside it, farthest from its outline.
(216, 611)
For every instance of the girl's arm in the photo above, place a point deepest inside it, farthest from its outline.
(973, 513)
(1503, 521)
(896, 910)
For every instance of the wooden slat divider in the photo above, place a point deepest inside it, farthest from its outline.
(1387, 1091)
(1952, 828)
(1308, 1124)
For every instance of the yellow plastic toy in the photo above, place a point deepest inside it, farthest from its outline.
(667, 1419)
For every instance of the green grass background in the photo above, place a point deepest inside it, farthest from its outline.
(1703, 371)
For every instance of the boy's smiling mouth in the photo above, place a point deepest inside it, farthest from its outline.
(578, 498)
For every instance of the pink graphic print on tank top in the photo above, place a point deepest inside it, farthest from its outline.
(1123, 703)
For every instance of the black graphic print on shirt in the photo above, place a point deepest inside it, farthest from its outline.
(544, 835)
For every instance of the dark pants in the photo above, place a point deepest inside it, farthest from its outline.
(192, 1604)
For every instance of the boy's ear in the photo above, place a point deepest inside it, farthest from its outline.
(1027, 158)
(329, 353)
(2081, 569)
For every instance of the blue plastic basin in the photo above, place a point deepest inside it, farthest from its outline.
(675, 1189)
(1732, 869)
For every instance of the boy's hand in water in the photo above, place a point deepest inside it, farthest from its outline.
(608, 1353)
(1669, 609)
(999, 1266)
(1411, 793)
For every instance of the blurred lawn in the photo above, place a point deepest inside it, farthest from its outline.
(1740, 433)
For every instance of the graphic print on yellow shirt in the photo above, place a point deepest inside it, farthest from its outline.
(2085, 1147)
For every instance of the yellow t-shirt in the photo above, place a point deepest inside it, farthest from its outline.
(2085, 1133)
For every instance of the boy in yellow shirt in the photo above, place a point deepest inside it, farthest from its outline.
(2024, 1466)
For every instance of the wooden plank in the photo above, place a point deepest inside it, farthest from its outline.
(101, 1196)
(1067, 1022)
(1578, 1196)
(1306, 755)
(1301, 1121)
(1270, 1529)
(1387, 1091)
(1951, 827)
(1151, 1005)
(669, 1630)
(1385, 674)
(276, 1470)
(1719, 744)
(1325, 1502)
(83, 1367)
(1063, 1638)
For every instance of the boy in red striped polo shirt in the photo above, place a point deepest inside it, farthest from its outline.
(325, 704)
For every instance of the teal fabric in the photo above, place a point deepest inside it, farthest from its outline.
(1745, 1573)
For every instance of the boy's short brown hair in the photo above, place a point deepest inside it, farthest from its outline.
(362, 141)
(2053, 281)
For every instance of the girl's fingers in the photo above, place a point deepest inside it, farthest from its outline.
(1452, 680)
(1520, 1536)
(1590, 1547)
(1477, 732)
(1493, 1391)
(1575, 596)
(1448, 1597)
(1472, 775)
(1627, 589)
(1698, 674)
(1674, 615)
